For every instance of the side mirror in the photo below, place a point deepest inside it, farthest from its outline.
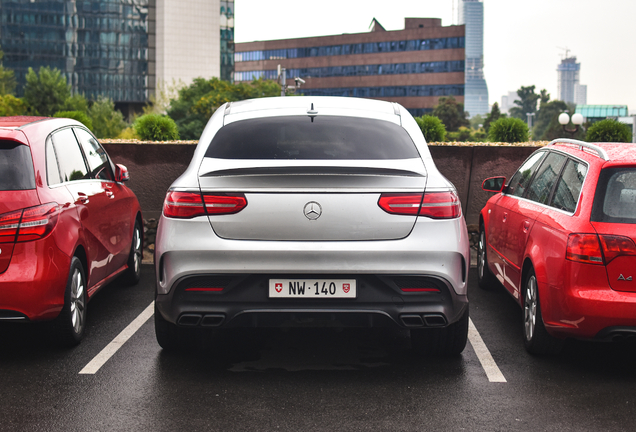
(494, 184)
(121, 173)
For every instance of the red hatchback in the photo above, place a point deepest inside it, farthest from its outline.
(68, 224)
(561, 238)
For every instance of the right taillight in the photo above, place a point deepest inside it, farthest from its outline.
(28, 224)
(614, 246)
(435, 205)
(187, 205)
(598, 249)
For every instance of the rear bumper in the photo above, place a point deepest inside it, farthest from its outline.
(244, 302)
(32, 288)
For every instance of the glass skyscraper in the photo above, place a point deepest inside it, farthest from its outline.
(100, 46)
(471, 13)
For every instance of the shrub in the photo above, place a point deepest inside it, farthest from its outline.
(155, 127)
(76, 115)
(432, 128)
(509, 130)
(609, 130)
(107, 121)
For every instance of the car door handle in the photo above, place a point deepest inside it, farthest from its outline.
(110, 194)
(505, 216)
(526, 226)
(82, 198)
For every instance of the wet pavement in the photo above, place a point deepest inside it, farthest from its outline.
(306, 379)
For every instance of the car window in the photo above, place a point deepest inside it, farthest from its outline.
(52, 168)
(519, 182)
(16, 166)
(304, 137)
(95, 155)
(615, 197)
(543, 181)
(566, 195)
(70, 159)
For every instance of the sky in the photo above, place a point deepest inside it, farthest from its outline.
(524, 41)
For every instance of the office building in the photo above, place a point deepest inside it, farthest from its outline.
(508, 101)
(118, 48)
(471, 14)
(413, 66)
(580, 94)
(568, 77)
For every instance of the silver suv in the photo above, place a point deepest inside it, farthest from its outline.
(313, 211)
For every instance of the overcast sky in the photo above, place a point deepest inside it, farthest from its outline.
(523, 40)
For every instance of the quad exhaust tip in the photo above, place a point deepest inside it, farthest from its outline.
(424, 320)
(194, 320)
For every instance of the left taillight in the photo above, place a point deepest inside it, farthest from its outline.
(435, 205)
(32, 223)
(187, 205)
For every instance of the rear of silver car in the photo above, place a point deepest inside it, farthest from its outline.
(313, 211)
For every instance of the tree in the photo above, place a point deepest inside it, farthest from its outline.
(451, 113)
(107, 121)
(198, 101)
(77, 102)
(11, 106)
(477, 121)
(156, 127)
(8, 82)
(547, 126)
(527, 103)
(508, 130)
(494, 115)
(80, 116)
(46, 92)
(432, 128)
(609, 130)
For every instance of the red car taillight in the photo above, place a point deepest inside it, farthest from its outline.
(29, 224)
(615, 246)
(594, 249)
(186, 205)
(436, 205)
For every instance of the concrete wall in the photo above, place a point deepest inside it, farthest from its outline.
(153, 167)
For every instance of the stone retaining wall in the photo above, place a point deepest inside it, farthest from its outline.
(154, 166)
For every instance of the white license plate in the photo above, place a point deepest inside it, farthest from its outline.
(312, 288)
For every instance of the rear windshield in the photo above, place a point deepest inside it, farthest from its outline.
(298, 137)
(615, 198)
(16, 167)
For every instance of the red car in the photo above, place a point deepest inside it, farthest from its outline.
(561, 238)
(68, 224)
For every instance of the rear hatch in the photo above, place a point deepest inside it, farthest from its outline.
(17, 191)
(312, 178)
(614, 219)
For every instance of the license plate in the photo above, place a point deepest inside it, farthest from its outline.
(312, 288)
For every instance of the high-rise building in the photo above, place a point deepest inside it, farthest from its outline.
(413, 67)
(568, 76)
(471, 14)
(118, 48)
(580, 94)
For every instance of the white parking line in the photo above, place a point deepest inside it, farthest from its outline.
(100, 359)
(487, 362)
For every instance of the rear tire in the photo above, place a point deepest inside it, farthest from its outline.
(446, 341)
(133, 272)
(485, 279)
(70, 324)
(536, 338)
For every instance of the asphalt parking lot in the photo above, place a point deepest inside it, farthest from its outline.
(306, 379)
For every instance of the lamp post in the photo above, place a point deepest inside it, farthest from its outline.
(577, 120)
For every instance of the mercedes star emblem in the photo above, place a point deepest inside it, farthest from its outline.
(312, 210)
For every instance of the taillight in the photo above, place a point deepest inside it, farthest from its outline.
(186, 205)
(9, 223)
(435, 205)
(593, 249)
(29, 224)
(614, 246)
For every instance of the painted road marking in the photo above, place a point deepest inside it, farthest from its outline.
(100, 359)
(487, 362)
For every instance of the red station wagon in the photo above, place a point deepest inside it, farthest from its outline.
(68, 224)
(561, 238)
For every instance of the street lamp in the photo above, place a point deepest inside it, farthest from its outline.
(577, 120)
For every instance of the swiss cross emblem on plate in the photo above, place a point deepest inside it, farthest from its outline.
(346, 287)
(279, 287)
